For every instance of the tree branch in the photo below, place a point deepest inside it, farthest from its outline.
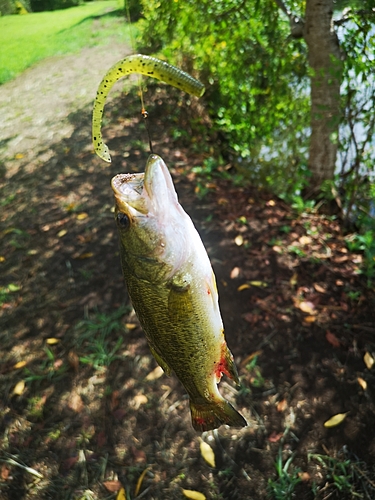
(296, 23)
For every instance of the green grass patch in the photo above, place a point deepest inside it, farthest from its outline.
(24, 40)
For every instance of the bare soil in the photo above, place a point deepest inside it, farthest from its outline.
(81, 403)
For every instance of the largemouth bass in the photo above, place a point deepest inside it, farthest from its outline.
(173, 291)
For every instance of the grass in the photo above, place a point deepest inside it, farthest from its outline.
(26, 39)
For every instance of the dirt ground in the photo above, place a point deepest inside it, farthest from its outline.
(84, 412)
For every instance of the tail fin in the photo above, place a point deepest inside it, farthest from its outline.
(210, 415)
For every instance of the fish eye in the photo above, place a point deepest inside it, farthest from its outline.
(123, 220)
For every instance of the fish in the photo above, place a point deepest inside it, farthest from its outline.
(173, 290)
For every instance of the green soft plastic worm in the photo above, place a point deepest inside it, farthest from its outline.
(145, 65)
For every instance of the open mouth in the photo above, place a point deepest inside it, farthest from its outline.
(128, 190)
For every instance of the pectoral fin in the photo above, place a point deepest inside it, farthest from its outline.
(160, 361)
(180, 303)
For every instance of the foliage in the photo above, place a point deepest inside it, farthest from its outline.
(256, 79)
(257, 89)
(27, 39)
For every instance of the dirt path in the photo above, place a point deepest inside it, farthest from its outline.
(35, 106)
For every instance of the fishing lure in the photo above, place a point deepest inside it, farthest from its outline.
(145, 65)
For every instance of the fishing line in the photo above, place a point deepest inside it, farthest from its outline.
(144, 113)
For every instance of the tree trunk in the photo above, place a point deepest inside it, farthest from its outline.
(326, 75)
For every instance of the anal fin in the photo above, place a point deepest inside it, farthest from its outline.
(226, 365)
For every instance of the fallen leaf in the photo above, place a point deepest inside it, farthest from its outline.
(282, 405)
(52, 341)
(82, 216)
(139, 482)
(62, 233)
(101, 439)
(75, 402)
(112, 486)
(305, 240)
(207, 453)
(2, 258)
(4, 472)
(319, 288)
(18, 156)
(245, 286)
(335, 420)
(332, 339)
(304, 476)
(238, 240)
(85, 255)
(309, 319)
(138, 400)
(155, 374)
(20, 364)
(369, 360)
(362, 383)
(294, 279)
(271, 203)
(131, 326)
(19, 388)
(260, 284)
(121, 495)
(307, 307)
(235, 273)
(193, 495)
(275, 437)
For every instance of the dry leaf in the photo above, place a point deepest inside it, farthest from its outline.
(19, 388)
(82, 216)
(309, 319)
(155, 374)
(139, 455)
(62, 233)
(86, 255)
(332, 339)
(207, 453)
(139, 482)
(235, 273)
(121, 495)
(238, 240)
(294, 279)
(335, 420)
(2, 258)
(275, 437)
(271, 203)
(304, 476)
(307, 307)
(245, 286)
(75, 402)
(369, 360)
(282, 405)
(362, 383)
(20, 364)
(131, 326)
(112, 486)
(4, 474)
(193, 495)
(52, 341)
(138, 400)
(319, 288)
(305, 240)
(261, 284)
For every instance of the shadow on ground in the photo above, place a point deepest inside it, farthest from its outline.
(82, 403)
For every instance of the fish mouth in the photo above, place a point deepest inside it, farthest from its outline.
(152, 191)
(128, 190)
